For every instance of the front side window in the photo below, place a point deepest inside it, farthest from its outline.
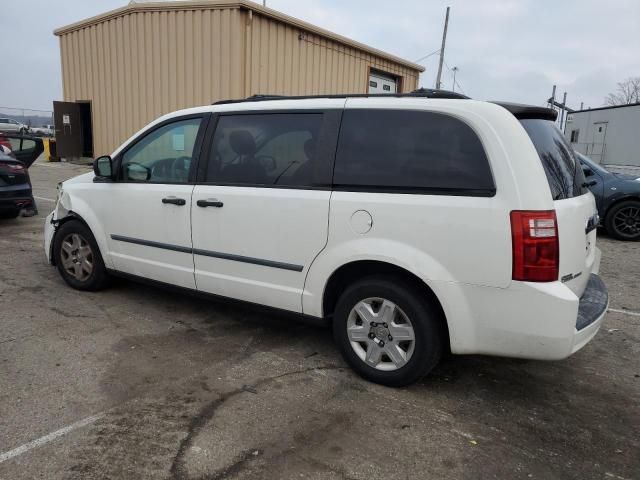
(404, 151)
(265, 149)
(162, 156)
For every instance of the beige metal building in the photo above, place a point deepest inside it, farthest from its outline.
(126, 67)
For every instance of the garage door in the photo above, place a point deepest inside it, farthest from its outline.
(381, 83)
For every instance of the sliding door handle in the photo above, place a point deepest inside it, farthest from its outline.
(174, 201)
(211, 202)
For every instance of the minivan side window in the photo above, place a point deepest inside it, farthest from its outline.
(563, 174)
(274, 149)
(162, 156)
(410, 152)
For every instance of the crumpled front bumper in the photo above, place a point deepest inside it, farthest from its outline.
(49, 231)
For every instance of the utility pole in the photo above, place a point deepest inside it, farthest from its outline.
(564, 108)
(454, 70)
(444, 39)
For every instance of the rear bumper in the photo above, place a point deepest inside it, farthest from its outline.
(591, 311)
(544, 321)
(16, 197)
(14, 204)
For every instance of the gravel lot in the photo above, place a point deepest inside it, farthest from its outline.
(169, 386)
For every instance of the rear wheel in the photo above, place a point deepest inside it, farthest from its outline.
(623, 220)
(387, 331)
(78, 258)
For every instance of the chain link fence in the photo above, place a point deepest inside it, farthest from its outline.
(33, 119)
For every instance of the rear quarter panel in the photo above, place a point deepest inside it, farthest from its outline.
(450, 242)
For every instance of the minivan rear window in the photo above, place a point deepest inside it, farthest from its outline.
(563, 173)
(403, 151)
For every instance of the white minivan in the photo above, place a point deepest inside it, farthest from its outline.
(415, 224)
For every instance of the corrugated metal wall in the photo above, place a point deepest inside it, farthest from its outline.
(285, 60)
(138, 66)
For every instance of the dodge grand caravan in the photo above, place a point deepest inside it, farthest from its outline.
(415, 224)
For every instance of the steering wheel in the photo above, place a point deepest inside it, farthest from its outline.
(138, 164)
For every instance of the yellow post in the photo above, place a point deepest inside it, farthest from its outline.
(48, 157)
(47, 151)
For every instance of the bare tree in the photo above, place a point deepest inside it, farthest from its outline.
(627, 92)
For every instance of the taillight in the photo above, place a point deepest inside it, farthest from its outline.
(534, 242)
(13, 167)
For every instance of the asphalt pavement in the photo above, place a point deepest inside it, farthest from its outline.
(140, 382)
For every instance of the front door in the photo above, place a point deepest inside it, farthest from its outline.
(598, 144)
(261, 216)
(69, 136)
(147, 211)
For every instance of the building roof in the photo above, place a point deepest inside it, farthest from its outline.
(611, 107)
(240, 4)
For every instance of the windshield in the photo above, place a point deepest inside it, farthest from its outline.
(564, 176)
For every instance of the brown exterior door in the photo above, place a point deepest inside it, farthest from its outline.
(68, 122)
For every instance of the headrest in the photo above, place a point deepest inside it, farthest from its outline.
(242, 142)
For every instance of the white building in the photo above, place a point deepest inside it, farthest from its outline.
(608, 135)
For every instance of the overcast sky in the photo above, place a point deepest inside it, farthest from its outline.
(505, 49)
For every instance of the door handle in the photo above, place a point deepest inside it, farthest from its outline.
(174, 201)
(212, 202)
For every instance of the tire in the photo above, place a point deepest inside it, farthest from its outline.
(78, 257)
(623, 220)
(411, 311)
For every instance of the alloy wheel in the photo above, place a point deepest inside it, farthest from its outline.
(627, 221)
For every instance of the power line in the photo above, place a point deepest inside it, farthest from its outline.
(427, 56)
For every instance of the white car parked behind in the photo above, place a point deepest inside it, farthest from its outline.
(414, 225)
(45, 130)
(10, 125)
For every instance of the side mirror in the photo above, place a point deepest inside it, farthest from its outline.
(587, 171)
(103, 167)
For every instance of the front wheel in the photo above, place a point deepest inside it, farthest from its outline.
(623, 220)
(78, 258)
(387, 331)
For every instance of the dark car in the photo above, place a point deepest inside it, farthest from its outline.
(617, 198)
(15, 185)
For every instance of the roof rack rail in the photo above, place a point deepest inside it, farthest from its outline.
(419, 93)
